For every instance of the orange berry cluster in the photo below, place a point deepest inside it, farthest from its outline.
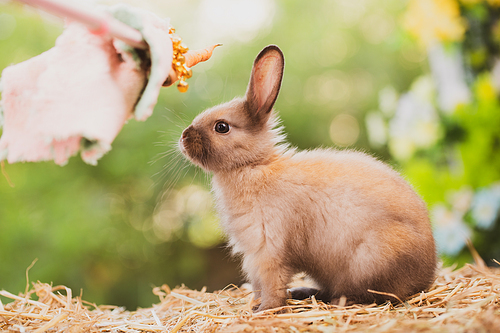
(179, 62)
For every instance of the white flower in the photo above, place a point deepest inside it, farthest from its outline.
(485, 206)
(495, 75)
(388, 100)
(450, 231)
(449, 75)
(376, 129)
(415, 124)
(461, 200)
(424, 88)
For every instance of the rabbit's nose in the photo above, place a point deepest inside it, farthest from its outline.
(185, 133)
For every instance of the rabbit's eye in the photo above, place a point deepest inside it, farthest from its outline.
(222, 127)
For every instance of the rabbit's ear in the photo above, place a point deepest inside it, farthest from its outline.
(265, 82)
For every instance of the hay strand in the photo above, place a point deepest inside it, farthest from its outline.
(467, 299)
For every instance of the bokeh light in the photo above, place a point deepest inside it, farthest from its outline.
(7, 25)
(191, 208)
(344, 130)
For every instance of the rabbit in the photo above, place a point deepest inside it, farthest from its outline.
(346, 219)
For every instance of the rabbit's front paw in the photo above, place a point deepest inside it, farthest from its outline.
(271, 304)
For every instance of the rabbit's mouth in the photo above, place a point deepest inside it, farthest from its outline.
(181, 147)
(192, 145)
(184, 150)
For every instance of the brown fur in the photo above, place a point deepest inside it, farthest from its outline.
(346, 219)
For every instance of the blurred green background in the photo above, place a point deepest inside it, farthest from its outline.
(414, 83)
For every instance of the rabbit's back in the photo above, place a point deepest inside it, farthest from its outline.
(364, 226)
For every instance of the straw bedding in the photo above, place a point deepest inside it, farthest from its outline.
(462, 300)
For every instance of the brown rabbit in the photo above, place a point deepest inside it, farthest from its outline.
(346, 219)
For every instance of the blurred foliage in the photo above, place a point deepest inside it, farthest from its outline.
(144, 217)
(454, 110)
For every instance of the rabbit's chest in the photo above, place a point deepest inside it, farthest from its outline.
(253, 223)
(255, 231)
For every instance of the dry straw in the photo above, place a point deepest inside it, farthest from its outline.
(463, 300)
